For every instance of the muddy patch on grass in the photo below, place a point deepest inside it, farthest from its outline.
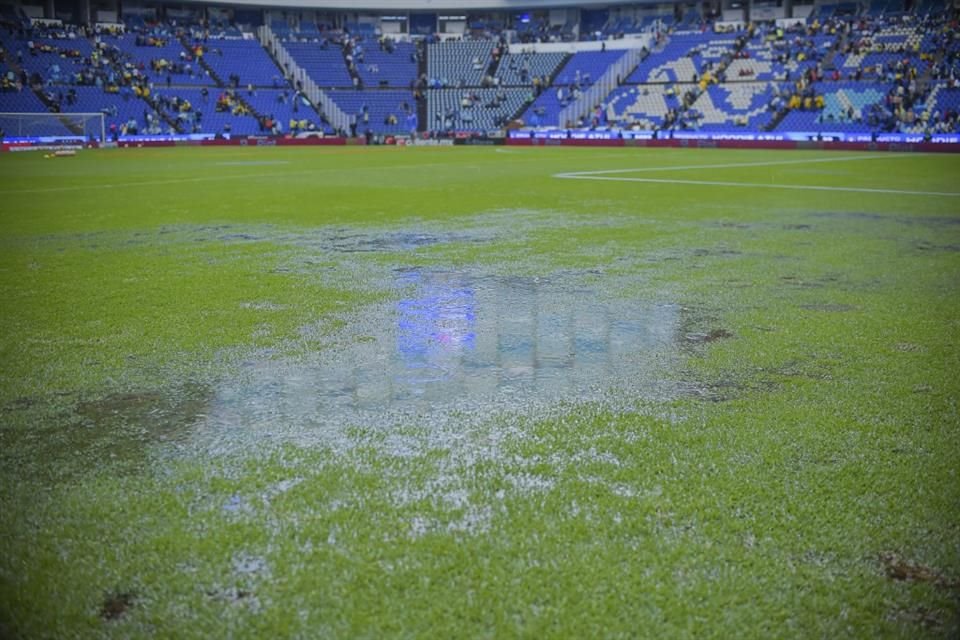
(828, 307)
(908, 347)
(159, 414)
(716, 252)
(342, 242)
(728, 389)
(119, 430)
(732, 225)
(348, 242)
(797, 281)
(852, 215)
(235, 596)
(709, 336)
(925, 245)
(897, 567)
(117, 604)
(930, 619)
(240, 237)
(21, 404)
(927, 221)
(57, 437)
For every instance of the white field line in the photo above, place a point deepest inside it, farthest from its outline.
(730, 165)
(604, 175)
(799, 187)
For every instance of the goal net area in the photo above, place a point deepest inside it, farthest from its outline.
(53, 128)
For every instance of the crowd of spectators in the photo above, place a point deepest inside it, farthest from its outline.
(812, 54)
(171, 68)
(908, 68)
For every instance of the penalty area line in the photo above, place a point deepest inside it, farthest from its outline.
(728, 165)
(758, 185)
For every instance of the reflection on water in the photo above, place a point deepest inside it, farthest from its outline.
(435, 329)
(457, 342)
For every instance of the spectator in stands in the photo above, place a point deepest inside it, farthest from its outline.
(10, 82)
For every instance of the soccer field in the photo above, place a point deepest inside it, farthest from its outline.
(460, 392)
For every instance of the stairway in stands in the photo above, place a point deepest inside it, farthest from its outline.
(201, 60)
(422, 112)
(352, 67)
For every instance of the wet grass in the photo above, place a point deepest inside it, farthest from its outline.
(799, 479)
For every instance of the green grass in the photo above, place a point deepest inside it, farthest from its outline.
(802, 482)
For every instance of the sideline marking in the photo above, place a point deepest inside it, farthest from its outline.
(729, 165)
(605, 175)
(800, 187)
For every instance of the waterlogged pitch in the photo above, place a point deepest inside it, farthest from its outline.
(479, 392)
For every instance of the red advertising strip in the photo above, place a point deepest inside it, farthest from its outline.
(236, 142)
(922, 147)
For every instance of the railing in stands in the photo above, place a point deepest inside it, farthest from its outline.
(334, 114)
(606, 83)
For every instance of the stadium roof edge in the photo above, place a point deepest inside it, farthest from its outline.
(422, 5)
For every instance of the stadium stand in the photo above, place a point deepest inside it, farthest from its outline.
(388, 64)
(520, 69)
(836, 74)
(22, 100)
(119, 111)
(381, 112)
(159, 61)
(643, 107)
(245, 61)
(584, 67)
(27, 102)
(284, 107)
(474, 109)
(459, 64)
(735, 105)
(323, 62)
(544, 109)
(219, 113)
(580, 70)
(675, 62)
(151, 80)
(848, 68)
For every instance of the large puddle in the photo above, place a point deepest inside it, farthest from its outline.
(454, 347)
(451, 354)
